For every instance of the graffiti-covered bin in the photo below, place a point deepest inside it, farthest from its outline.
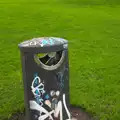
(46, 78)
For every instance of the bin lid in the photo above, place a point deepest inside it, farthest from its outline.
(43, 44)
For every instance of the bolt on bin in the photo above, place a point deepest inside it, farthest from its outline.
(45, 70)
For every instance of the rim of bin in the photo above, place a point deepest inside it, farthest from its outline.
(43, 44)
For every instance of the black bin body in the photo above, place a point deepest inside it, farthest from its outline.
(46, 78)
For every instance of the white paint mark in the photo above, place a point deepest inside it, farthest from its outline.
(57, 93)
(58, 110)
(33, 43)
(35, 106)
(64, 102)
(52, 93)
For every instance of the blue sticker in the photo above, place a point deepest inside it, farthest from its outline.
(47, 96)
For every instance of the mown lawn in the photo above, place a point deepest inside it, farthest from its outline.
(93, 30)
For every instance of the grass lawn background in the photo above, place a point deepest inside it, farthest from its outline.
(93, 30)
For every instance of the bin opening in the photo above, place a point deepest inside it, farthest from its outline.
(49, 59)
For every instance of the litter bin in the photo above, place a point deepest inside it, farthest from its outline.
(46, 78)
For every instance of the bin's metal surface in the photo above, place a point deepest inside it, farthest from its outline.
(46, 87)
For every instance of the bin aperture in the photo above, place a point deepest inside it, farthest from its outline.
(50, 61)
(46, 78)
(52, 58)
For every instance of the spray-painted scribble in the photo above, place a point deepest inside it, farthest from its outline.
(38, 89)
(35, 106)
(42, 42)
(61, 80)
(51, 99)
(39, 41)
(46, 42)
(61, 77)
(57, 112)
(59, 39)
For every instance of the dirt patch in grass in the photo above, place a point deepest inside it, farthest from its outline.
(76, 112)
(79, 114)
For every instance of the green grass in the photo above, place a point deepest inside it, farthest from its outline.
(93, 30)
(93, 2)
